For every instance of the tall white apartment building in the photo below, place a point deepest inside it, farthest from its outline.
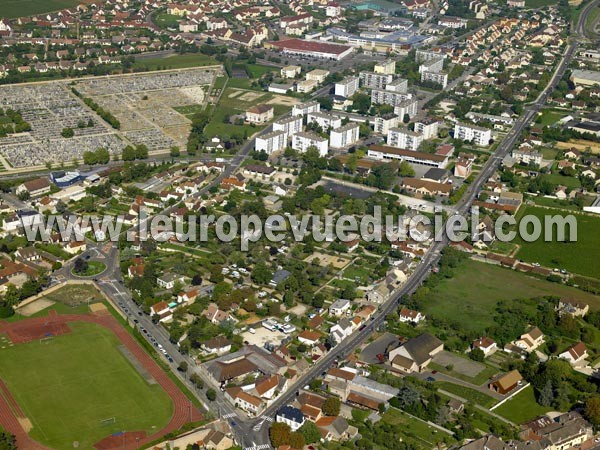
(409, 107)
(387, 67)
(324, 120)
(428, 127)
(271, 142)
(347, 87)
(374, 80)
(289, 125)
(404, 138)
(304, 108)
(398, 85)
(478, 135)
(382, 124)
(436, 77)
(386, 97)
(432, 65)
(303, 140)
(344, 136)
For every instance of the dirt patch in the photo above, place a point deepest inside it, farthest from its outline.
(36, 307)
(30, 331)
(250, 96)
(285, 101)
(580, 145)
(121, 440)
(98, 308)
(325, 260)
(25, 423)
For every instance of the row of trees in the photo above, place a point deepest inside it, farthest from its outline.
(107, 116)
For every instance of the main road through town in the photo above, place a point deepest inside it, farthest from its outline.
(253, 433)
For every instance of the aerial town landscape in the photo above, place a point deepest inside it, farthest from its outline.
(138, 308)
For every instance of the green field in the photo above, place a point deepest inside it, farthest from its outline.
(580, 257)
(550, 117)
(165, 20)
(471, 395)
(570, 182)
(258, 70)
(21, 8)
(67, 398)
(415, 431)
(539, 3)
(175, 62)
(476, 287)
(522, 407)
(93, 268)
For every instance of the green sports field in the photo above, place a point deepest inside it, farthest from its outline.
(21, 8)
(69, 385)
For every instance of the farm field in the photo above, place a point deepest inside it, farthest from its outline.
(94, 393)
(22, 8)
(578, 257)
(476, 287)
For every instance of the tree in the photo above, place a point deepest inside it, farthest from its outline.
(261, 274)
(175, 152)
(406, 170)
(406, 118)
(310, 432)
(297, 440)
(279, 434)
(547, 395)
(7, 440)
(67, 132)
(80, 266)
(211, 395)
(331, 406)
(477, 354)
(592, 410)
(183, 366)
(197, 381)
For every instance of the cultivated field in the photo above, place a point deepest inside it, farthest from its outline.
(69, 385)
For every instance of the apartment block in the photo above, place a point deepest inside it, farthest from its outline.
(477, 135)
(404, 138)
(271, 142)
(344, 136)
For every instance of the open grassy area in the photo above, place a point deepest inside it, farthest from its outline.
(258, 70)
(476, 288)
(570, 182)
(591, 22)
(176, 62)
(579, 257)
(67, 399)
(22, 8)
(416, 432)
(522, 407)
(166, 20)
(468, 394)
(550, 117)
(93, 268)
(539, 3)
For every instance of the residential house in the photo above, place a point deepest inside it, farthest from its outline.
(339, 307)
(215, 315)
(575, 354)
(505, 383)
(416, 353)
(218, 345)
(260, 114)
(572, 307)
(486, 345)
(410, 315)
(290, 416)
(530, 340)
(162, 310)
(168, 280)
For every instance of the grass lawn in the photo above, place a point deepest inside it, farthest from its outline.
(554, 203)
(258, 70)
(522, 407)
(550, 117)
(166, 20)
(570, 182)
(468, 394)
(93, 268)
(579, 257)
(592, 20)
(96, 382)
(22, 8)
(175, 62)
(539, 3)
(476, 287)
(189, 110)
(416, 432)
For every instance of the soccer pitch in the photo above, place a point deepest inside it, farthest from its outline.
(79, 387)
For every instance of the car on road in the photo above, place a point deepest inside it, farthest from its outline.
(430, 379)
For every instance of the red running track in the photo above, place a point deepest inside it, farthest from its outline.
(181, 413)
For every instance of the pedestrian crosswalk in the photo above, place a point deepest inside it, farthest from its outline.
(269, 419)
(258, 426)
(229, 416)
(258, 447)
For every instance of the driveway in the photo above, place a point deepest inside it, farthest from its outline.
(460, 365)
